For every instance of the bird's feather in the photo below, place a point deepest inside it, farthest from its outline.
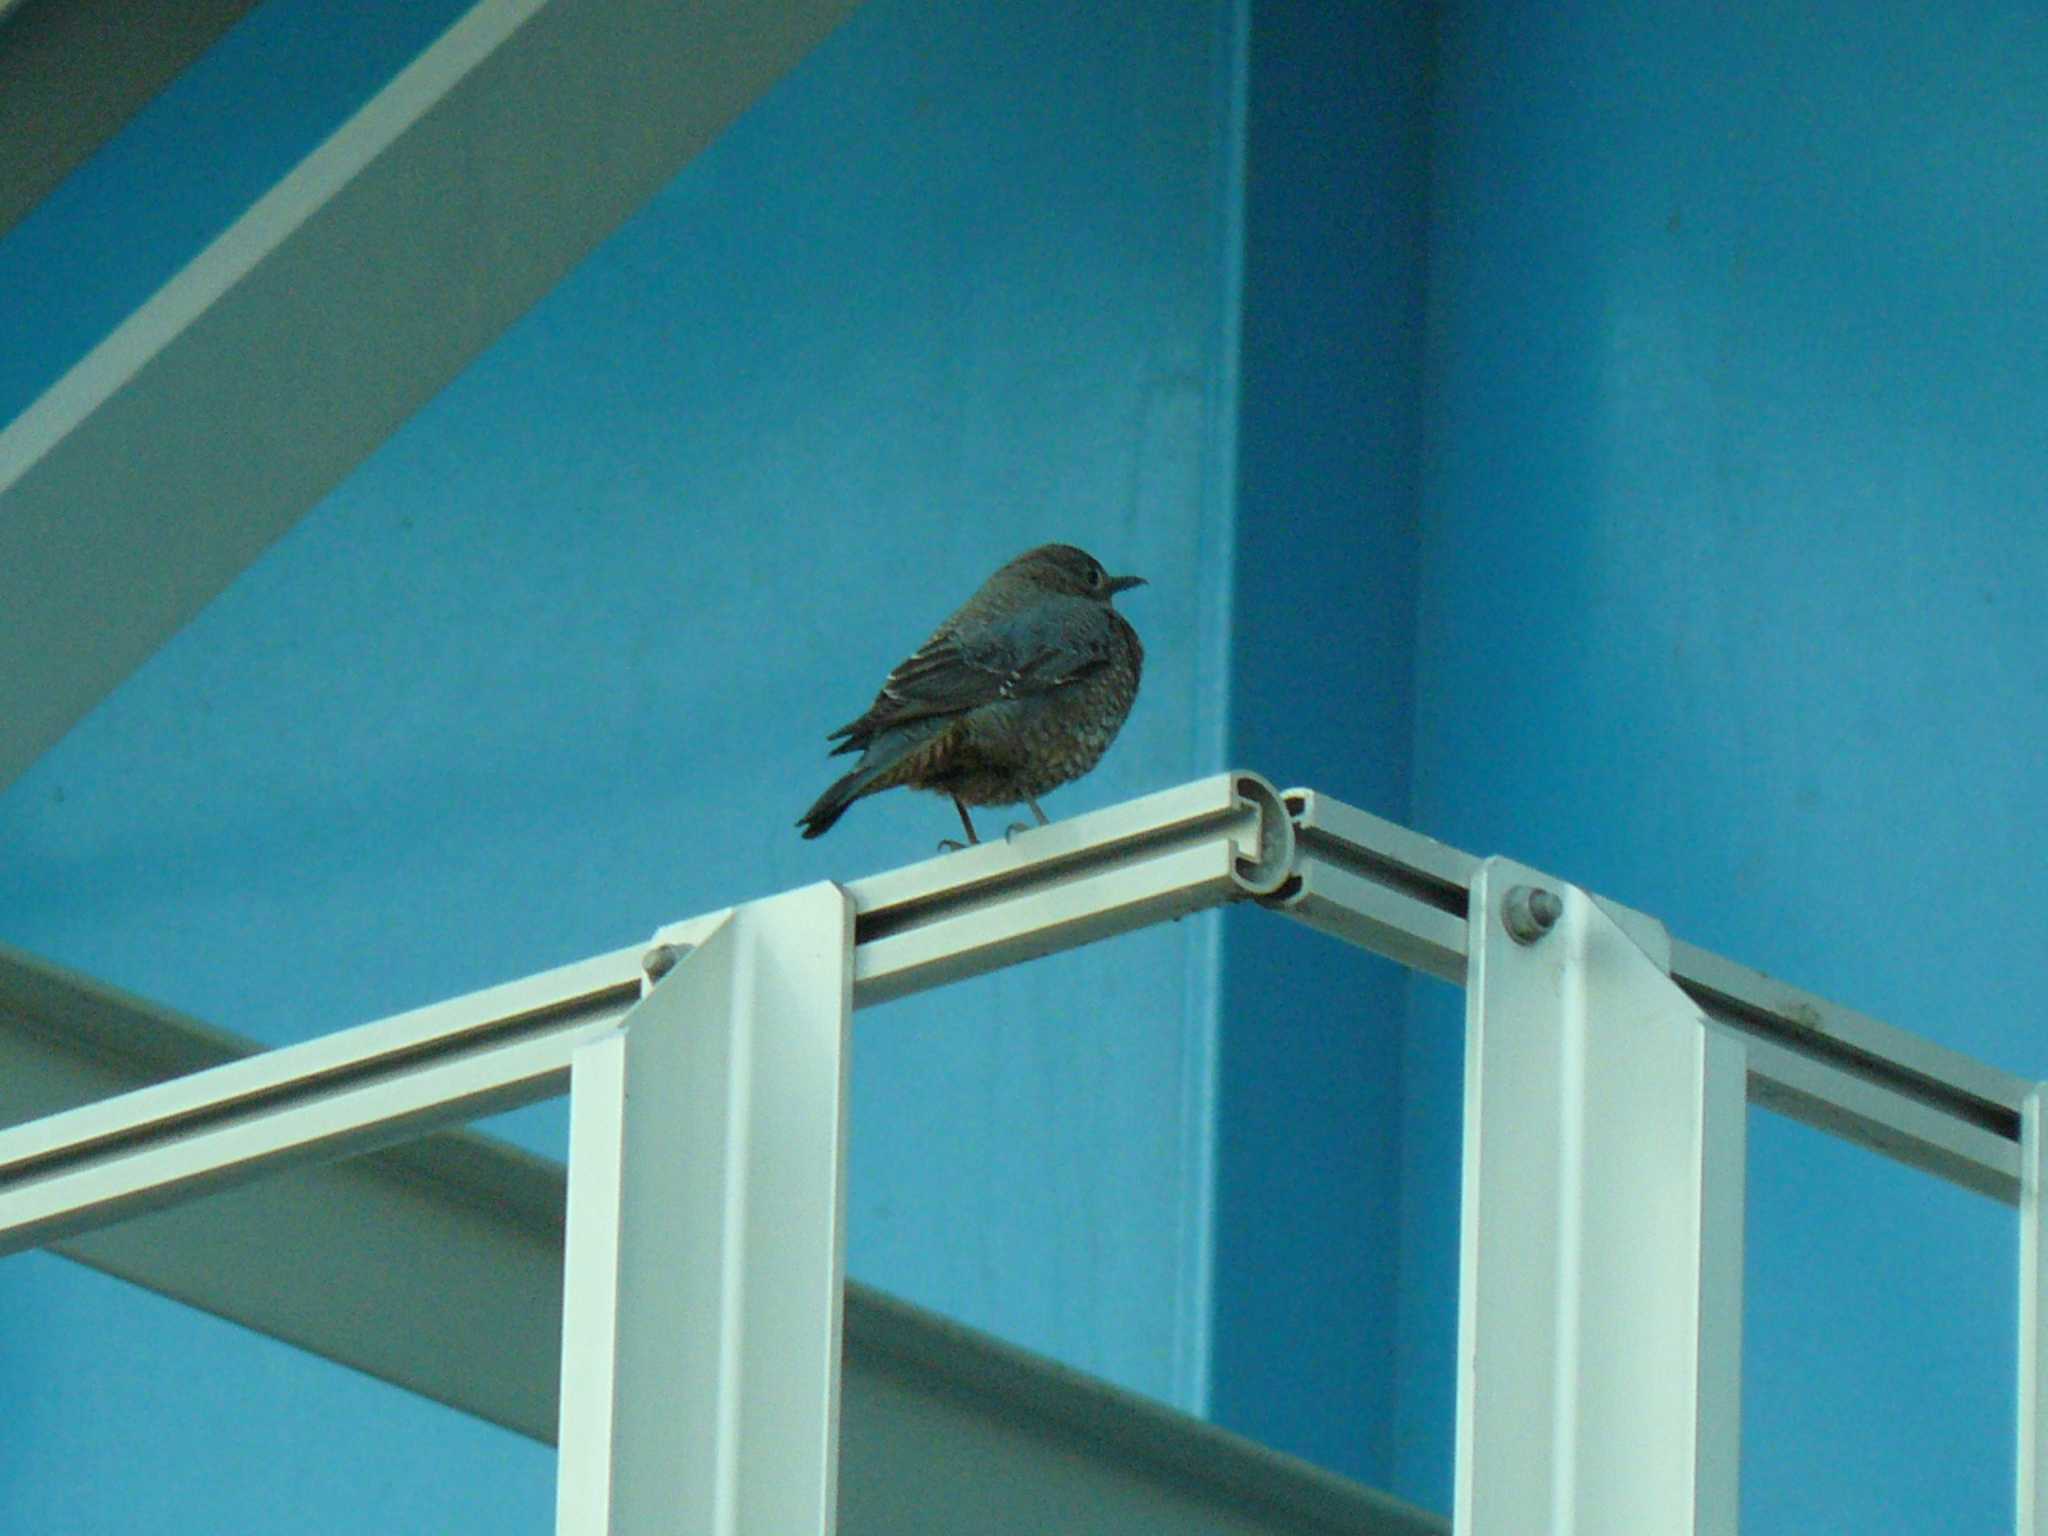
(1029, 653)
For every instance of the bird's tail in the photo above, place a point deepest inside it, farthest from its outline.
(832, 804)
(885, 752)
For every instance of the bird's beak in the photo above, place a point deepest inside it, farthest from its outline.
(1123, 584)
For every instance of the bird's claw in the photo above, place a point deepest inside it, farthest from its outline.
(951, 845)
(1010, 833)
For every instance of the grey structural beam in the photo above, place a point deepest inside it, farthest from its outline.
(947, 1429)
(437, 1264)
(73, 71)
(217, 414)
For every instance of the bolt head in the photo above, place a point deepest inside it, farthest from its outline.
(661, 959)
(1529, 911)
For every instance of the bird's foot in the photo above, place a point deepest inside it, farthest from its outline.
(1010, 832)
(951, 845)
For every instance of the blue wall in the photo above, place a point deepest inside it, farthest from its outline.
(1609, 436)
(1321, 690)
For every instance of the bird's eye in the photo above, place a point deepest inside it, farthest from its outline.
(1095, 576)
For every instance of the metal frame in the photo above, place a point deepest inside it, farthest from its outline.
(1600, 1283)
(704, 1274)
(1608, 1070)
(2033, 1314)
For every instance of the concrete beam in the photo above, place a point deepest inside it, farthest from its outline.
(221, 411)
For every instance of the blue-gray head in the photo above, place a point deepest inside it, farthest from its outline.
(1063, 568)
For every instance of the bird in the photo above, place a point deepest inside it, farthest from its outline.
(1020, 691)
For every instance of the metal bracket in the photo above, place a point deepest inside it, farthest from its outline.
(1600, 1276)
(703, 1280)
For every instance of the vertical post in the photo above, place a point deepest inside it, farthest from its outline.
(1600, 1275)
(704, 1267)
(2033, 1341)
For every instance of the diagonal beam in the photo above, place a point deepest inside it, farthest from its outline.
(216, 415)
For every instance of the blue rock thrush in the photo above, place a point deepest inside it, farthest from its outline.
(1019, 692)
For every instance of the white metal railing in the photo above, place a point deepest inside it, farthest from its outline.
(1607, 1071)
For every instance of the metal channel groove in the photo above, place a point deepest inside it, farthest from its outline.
(1228, 838)
(1221, 839)
(1747, 1018)
(21, 1162)
(255, 1086)
(1432, 884)
(924, 893)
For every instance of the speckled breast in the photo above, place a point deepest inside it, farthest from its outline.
(1023, 748)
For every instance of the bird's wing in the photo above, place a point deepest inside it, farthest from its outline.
(1055, 643)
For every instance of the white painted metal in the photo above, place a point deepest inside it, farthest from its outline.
(1600, 1267)
(704, 1275)
(2032, 1455)
(588, 995)
(1814, 1026)
(1216, 840)
(1377, 885)
(343, 1094)
(1405, 856)
(1334, 900)
(118, 1181)
(593, 1242)
(1883, 1118)
(1162, 856)
(1385, 888)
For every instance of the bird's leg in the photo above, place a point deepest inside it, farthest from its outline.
(947, 845)
(1018, 826)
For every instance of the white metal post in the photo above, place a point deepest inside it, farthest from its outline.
(1600, 1284)
(2033, 1340)
(704, 1269)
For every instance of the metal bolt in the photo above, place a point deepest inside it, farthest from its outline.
(661, 959)
(1528, 912)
